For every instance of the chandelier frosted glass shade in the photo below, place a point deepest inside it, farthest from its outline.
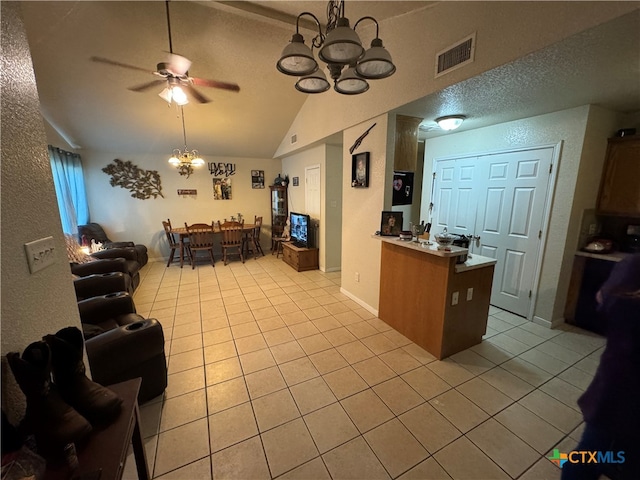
(297, 59)
(350, 83)
(376, 62)
(315, 83)
(342, 45)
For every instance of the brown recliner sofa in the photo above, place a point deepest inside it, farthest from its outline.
(102, 283)
(122, 345)
(94, 231)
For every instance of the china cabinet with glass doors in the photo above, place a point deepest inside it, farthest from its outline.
(279, 210)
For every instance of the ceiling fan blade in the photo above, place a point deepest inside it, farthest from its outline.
(178, 64)
(147, 86)
(196, 94)
(202, 82)
(119, 64)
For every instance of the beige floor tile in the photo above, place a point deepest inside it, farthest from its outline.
(361, 330)
(183, 409)
(576, 377)
(181, 446)
(588, 365)
(492, 352)
(314, 344)
(354, 460)
(312, 395)
(226, 395)
(431, 429)
(185, 361)
(379, 343)
(345, 382)
(270, 324)
(347, 318)
(223, 370)
(501, 445)
(488, 398)
(398, 395)
(250, 344)
(328, 361)
(426, 470)
(529, 427)
(544, 361)
(330, 426)
(373, 371)
(396, 448)
(288, 446)
(325, 324)
(298, 371)
(462, 459)
(525, 336)
(313, 469)
(287, 308)
(275, 409)
(240, 318)
(510, 317)
(543, 469)
(334, 307)
(218, 335)
(366, 410)
(425, 382)
(209, 324)
(451, 372)
(581, 342)
(200, 469)
(231, 426)
(245, 460)
(316, 312)
(339, 336)
(498, 325)
(303, 329)
(558, 414)
(418, 353)
(186, 344)
(472, 361)
(285, 352)
(245, 329)
(563, 391)
(354, 352)
(526, 371)
(460, 411)
(150, 414)
(220, 351)
(254, 361)
(185, 382)
(240, 306)
(507, 383)
(509, 344)
(264, 382)
(399, 361)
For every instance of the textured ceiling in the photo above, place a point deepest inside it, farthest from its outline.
(90, 103)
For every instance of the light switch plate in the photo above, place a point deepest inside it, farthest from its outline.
(40, 253)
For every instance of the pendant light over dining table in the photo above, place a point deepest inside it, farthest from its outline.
(350, 66)
(185, 160)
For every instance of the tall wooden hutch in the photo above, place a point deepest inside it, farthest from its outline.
(279, 209)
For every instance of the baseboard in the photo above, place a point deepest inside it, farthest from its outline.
(331, 269)
(362, 303)
(546, 323)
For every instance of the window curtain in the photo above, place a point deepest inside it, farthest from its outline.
(69, 183)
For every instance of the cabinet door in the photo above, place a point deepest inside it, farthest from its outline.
(620, 187)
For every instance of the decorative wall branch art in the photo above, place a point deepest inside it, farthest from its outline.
(219, 169)
(222, 189)
(143, 184)
(257, 178)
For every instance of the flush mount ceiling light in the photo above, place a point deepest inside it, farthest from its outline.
(450, 122)
(185, 160)
(340, 47)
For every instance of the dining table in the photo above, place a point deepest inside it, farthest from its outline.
(182, 234)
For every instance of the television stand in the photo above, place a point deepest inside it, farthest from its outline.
(301, 259)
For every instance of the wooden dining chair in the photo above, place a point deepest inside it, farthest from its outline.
(232, 238)
(253, 242)
(171, 240)
(200, 239)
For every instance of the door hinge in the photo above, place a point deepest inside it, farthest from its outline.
(539, 234)
(550, 167)
(529, 293)
(434, 175)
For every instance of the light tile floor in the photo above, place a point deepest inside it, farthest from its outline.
(276, 374)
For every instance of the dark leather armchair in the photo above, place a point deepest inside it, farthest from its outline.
(122, 345)
(93, 231)
(108, 265)
(101, 284)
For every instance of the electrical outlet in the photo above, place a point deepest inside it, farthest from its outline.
(357, 276)
(40, 253)
(454, 298)
(469, 293)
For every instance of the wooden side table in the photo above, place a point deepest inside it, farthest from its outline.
(106, 449)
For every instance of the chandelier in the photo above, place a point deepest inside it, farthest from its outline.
(349, 65)
(185, 160)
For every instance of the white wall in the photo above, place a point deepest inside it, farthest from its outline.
(36, 304)
(127, 218)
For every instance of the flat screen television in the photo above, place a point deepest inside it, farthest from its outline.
(300, 225)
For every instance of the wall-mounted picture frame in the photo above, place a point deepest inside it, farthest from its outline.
(360, 170)
(222, 189)
(296, 181)
(391, 224)
(257, 178)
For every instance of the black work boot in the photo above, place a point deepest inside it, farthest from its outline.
(95, 402)
(52, 421)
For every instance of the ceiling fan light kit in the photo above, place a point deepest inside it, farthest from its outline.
(339, 47)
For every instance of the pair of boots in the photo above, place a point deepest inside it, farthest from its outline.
(62, 411)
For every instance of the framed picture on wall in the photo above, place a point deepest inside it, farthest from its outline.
(296, 181)
(222, 189)
(360, 170)
(257, 178)
(391, 224)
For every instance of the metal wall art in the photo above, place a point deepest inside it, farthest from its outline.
(143, 184)
(257, 178)
(222, 189)
(220, 169)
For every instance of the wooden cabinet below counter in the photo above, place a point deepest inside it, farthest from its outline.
(620, 184)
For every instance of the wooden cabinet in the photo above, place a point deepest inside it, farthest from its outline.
(406, 152)
(279, 209)
(620, 184)
(301, 259)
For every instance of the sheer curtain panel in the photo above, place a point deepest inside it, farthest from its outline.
(69, 182)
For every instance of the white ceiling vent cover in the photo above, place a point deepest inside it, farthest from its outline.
(294, 138)
(456, 56)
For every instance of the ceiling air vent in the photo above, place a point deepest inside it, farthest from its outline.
(294, 138)
(456, 56)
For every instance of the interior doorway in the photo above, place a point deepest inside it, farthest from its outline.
(501, 200)
(312, 196)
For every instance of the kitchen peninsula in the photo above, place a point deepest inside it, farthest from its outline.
(435, 302)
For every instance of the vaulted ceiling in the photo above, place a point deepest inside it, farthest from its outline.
(89, 103)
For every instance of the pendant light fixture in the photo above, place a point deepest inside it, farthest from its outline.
(185, 160)
(340, 48)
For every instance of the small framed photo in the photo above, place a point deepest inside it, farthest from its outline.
(296, 181)
(391, 224)
(360, 170)
(257, 178)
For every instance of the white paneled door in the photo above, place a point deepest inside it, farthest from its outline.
(500, 200)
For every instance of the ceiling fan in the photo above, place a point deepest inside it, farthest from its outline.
(174, 75)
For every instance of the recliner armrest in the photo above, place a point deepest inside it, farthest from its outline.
(101, 284)
(99, 266)
(128, 253)
(95, 310)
